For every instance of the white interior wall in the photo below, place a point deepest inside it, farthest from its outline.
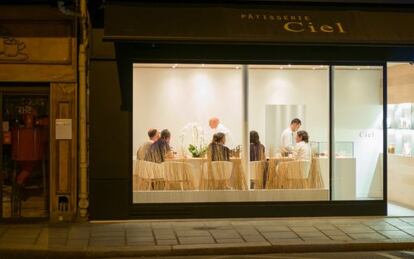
(171, 98)
(291, 87)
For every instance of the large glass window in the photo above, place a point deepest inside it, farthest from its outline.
(358, 133)
(289, 114)
(233, 133)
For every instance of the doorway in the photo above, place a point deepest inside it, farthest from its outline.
(24, 151)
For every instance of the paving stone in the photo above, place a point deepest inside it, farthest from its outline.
(80, 235)
(310, 234)
(304, 229)
(355, 230)
(22, 233)
(110, 234)
(325, 227)
(218, 224)
(341, 238)
(139, 239)
(108, 228)
(248, 232)
(167, 242)
(161, 237)
(57, 241)
(409, 220)
(300, 223)
(376, 223)
(196, 240)
(395, 234)
(163, 232)
(333, 232)
(272, 228)
(18, 240)
(409, 230)
(286, 241)
(383, 227)
(139, 233)
(230, 241)
(280, 235)
(161, 225)
(193, 233)
(365, 236)
(77, 242)
(141, 243)
(254, 238)
(106, 242)
(224, 234)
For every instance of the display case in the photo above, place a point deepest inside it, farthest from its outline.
(400, 124)
(342, 149)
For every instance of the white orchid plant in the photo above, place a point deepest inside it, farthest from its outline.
(196, 147)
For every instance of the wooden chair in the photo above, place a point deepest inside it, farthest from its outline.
(149, 176)
(294, 174)
(217, 175)
(178, 176)
(257, 174)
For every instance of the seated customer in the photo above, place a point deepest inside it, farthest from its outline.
(302, 150)
(257, 150)
(160, 150)
(153, 135)
(217, 151)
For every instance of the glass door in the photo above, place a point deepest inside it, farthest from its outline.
(24, 154)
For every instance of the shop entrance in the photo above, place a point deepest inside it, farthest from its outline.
(24, 152)
(400, 123)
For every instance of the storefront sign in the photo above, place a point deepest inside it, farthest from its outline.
(231, 24)
(295, 23)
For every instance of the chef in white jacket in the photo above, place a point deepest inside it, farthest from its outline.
(287, 141)
(215, 126)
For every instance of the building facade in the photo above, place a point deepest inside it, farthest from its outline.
(39, 96)
(254, 66)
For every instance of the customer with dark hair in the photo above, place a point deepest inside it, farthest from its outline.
(302, 149)
(288, 136)
(160, 150)
(257, 150)
(153, 135)
(217, 151)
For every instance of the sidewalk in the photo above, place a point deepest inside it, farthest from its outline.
(209, 236)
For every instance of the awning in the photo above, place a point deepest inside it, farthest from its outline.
(240, 24)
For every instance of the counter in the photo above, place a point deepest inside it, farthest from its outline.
(401, 179)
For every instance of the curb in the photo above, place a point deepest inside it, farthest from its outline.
(215, 249)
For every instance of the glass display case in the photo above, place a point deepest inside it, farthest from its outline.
(342, 148)
(400, 124)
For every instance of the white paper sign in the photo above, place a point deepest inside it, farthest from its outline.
(63, 129)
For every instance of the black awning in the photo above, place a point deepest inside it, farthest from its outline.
(189, 23)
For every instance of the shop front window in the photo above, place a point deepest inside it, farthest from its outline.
(289, 111)
(233, 133)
